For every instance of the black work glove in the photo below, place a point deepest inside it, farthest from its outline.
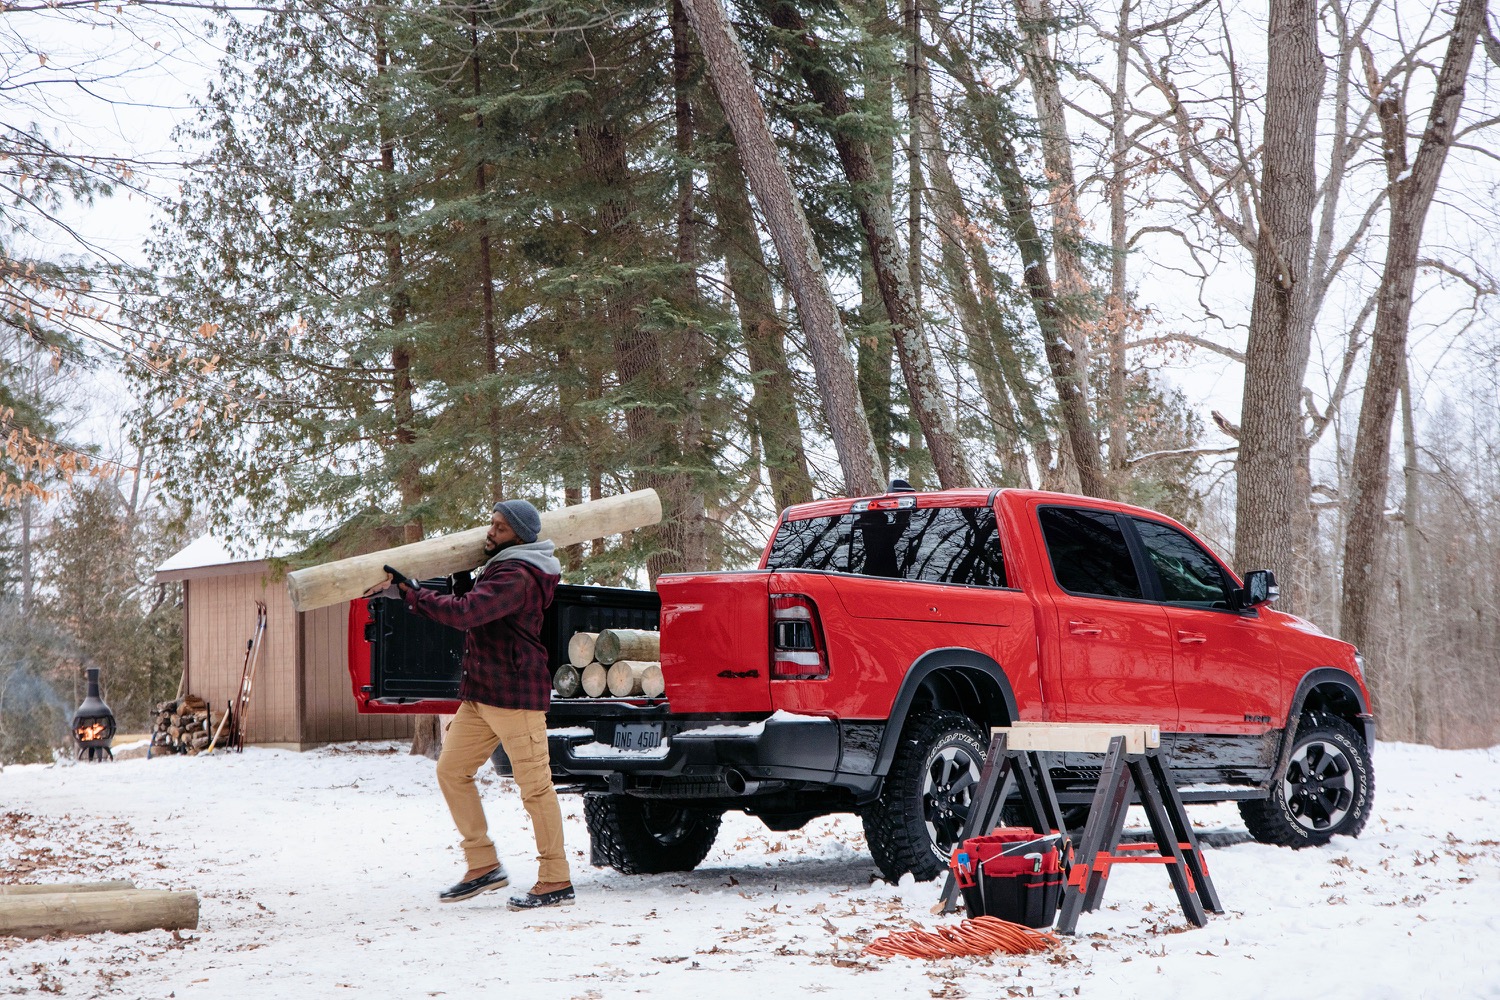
(463, 582)
(400, 580)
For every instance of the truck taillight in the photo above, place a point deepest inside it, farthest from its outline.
(798, 652)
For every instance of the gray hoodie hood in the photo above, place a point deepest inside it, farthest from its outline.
(538, 553)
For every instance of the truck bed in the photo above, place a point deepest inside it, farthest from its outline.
(414, 667)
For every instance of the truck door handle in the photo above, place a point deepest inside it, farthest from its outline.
(1083, 627)
(1190, 638)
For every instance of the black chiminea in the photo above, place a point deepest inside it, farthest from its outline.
(94, 723)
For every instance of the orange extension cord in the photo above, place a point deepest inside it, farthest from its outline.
(979, 936)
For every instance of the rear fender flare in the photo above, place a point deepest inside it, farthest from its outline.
(993, 702)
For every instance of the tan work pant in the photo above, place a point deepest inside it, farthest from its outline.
(470, 740)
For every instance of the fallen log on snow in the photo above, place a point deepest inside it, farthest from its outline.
(124, 911)
(443, 555)
(117, 885)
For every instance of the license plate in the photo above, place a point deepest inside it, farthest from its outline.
(637, 736)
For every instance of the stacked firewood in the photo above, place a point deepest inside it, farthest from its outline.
(187, 726)
(620, 663)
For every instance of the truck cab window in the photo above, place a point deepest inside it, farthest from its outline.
(1088, 552)
(820, 543)
(1188, 574)
(935, 544)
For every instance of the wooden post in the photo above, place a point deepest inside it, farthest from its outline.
(442, 555)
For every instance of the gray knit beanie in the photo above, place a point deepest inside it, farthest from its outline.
(523, 518)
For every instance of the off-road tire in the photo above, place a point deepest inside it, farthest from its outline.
(648, 836)
(933, 777)
(1326, 790)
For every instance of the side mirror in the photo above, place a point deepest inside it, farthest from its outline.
(1260, 588)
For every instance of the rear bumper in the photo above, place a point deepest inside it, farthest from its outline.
(712, 758)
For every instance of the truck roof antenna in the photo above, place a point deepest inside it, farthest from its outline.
(900, 486)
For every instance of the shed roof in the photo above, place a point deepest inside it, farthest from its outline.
(209, 555)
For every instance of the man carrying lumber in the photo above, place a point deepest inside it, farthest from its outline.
(505, 689)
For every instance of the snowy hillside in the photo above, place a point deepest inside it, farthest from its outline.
(319, 874)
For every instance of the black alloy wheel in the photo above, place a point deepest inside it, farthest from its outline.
(951, 777)
(1327, 789)
(1319, 785)
(925, 799)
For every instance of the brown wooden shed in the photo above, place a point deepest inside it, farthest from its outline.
(301, 696)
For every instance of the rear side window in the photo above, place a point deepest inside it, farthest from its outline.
(1188, 574)
(820, 543)
(935, 544)
(1088, 551)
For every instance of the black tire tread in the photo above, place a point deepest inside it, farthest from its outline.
(894, 832)
(1270, 823)
(621, 838)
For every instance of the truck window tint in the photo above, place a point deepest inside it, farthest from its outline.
(1188, 574)
(958, 545)
(820, 543)
(939, 545)
(1088, 552)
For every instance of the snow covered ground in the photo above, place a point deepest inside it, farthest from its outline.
(319, 872)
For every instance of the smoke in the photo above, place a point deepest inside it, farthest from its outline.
(34, 714)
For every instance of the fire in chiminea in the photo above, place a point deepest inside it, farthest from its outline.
(94, 723)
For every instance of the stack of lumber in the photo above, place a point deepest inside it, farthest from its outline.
(33, 911)
(621, 663)
(187, 726)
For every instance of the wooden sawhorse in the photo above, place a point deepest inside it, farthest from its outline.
(1132, 763)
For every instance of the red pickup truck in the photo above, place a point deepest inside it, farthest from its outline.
(860, 668)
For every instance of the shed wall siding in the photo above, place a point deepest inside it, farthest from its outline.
(220, 621)
(329, 714)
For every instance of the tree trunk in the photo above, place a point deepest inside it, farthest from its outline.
(427, 737)
(692, 524)
(773, 402)
(1412, 191)
(1068, 376)
(1116, 321)
(1415, 612)
(772, 186)
(486, 284)
(655, 444)
(977, 322)
(1074, 292)
(893, 268)
(408, 467)
(1269, 499)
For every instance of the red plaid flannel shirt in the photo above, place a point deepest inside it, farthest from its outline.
(505, 663)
